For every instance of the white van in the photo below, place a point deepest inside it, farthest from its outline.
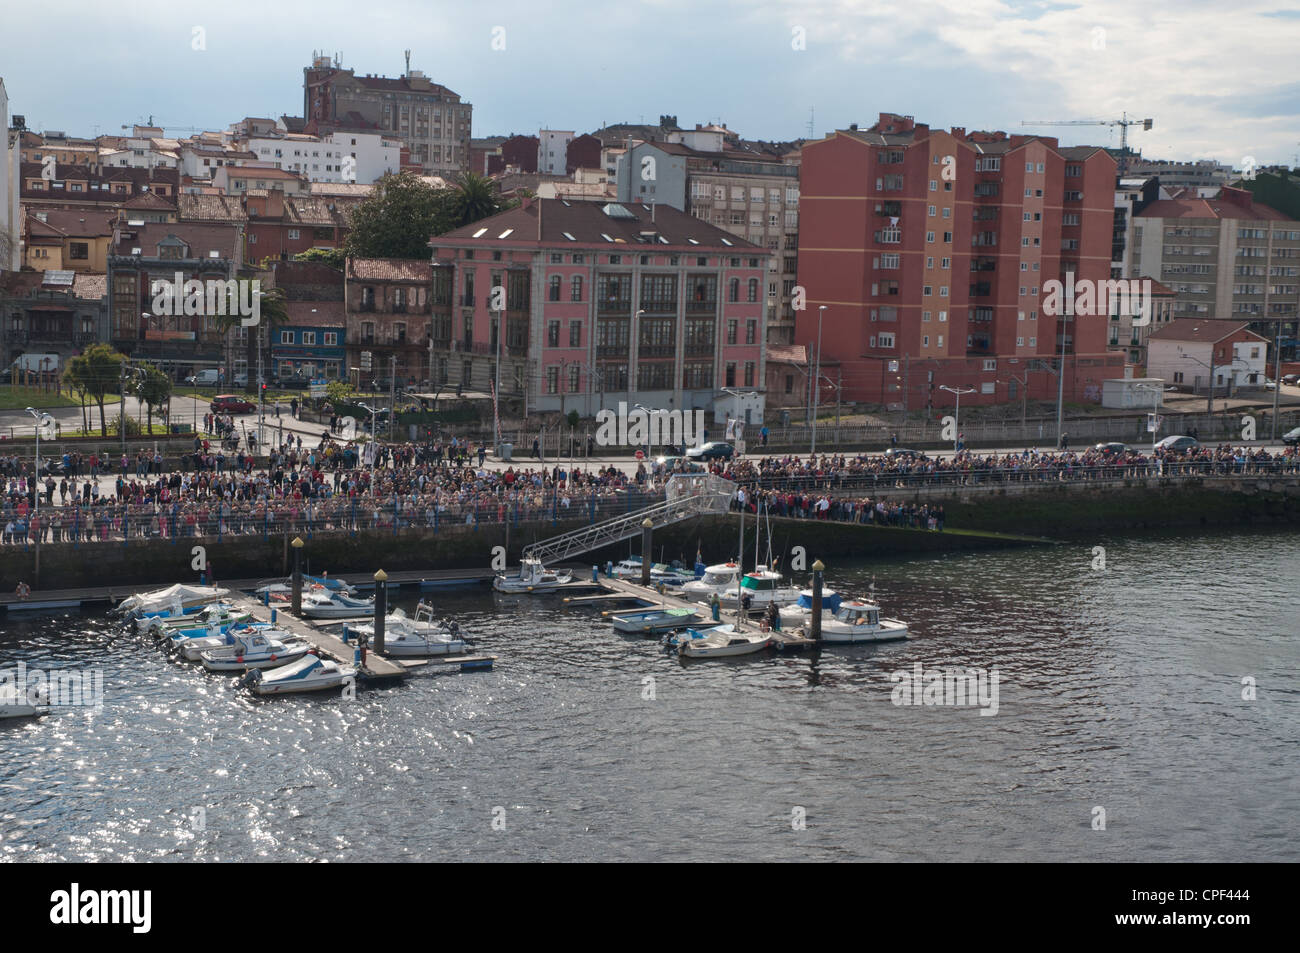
(205, 378)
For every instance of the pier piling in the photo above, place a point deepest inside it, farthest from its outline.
(381, 608)
(815, 623)
(647, 529)
(297, 545)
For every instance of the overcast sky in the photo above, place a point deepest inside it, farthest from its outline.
(1220, 80)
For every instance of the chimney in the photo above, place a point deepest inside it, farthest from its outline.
(959, 132)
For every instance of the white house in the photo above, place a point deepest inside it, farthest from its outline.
(553, 151)
(359, 157)
(1191, 351)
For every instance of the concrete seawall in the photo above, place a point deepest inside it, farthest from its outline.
(979, 517)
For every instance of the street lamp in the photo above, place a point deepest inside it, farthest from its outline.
(501, 333)
(957, 416)
(1155, 390)
(817, 379)
(40, 423)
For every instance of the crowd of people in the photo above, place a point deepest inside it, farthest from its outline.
(332, 484)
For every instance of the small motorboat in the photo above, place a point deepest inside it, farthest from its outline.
(859, 621)
(222, 614)
(670, 576)
(716, 579)
(13, 705)
(254, 650)
(794, 616)
(282, 590)
(324, 603)
(719, 642)
(192, 647)
(169, 603)
(763, 587)
(655, 621)
(309, 674)
(629, 568)
(416, 637)
(532, 577)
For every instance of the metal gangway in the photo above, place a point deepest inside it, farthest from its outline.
(687, 495)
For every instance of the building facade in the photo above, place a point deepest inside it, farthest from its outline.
(431, 120)
(600, 304)
(388, 307)
(925, 257)
(1191, 352)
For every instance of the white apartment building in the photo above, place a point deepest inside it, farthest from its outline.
(339, 157)
(553, 151)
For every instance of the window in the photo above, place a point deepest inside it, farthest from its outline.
(1033, 342)
(553, 334)
(990, 364)
(943, 316)
(286, 337)
(925, 340)
(731, 331)
(331, 338)
(929, 237)
(931, 211)
(885, 340)
(947, 237)
(934, 185)
(554, 291)
(987, 387)
(309, 338)
(1020, 342)
(926, 291)
(552, 380)
(575, 334)
(752, 290)
(943, 291)
(925, 315)
(575, 288)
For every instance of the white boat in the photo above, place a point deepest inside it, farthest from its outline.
(532, 577)
(629, 568)
(720, 641)
(763, 587)
(255, 650)
(309, 674)
(859, 621)
(282, 591)
(674, 577)
(792, 617)
(170, 603)
(326, 604)
(14, 706)
(222, 614)
(655, 621)
(417, 637)
(716, 579)
(193, 647)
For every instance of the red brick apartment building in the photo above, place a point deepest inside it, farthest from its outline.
(929, 249)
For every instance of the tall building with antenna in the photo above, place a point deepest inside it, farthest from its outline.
(430, 119)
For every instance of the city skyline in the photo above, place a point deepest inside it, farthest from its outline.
(827, 63)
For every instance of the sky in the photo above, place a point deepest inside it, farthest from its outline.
(1220, 81)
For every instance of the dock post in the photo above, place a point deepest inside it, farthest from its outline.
(816, 622)
(381, 608)
(647, 528)
(345, 634)
(297, 545)
(595, 573)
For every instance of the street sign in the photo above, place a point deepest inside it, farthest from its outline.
(318, 387)
(365, 360)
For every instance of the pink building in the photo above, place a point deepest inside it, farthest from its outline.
(601, 304)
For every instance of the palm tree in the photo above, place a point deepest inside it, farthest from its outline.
(476, 198)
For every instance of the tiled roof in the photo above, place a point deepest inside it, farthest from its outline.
(149, 200)
(90, 287)
(787, 353)
(73, 222)
(202, 239)
(314, 211)
(588, 223)
(389, 269)
(342, 189)
(211, 208)
(1211, 208)
(1200, 330)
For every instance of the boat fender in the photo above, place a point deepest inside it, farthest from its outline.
(272, 658)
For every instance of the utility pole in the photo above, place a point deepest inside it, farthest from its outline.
(839, 380)
(121, 421)
(1277, 377)
(817, 379)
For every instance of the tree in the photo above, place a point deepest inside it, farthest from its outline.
(74, 377)
(153, 389)
(98, 369)
(399, 217)
(273, 312)
(333, 257)
(476, 198)
(339, 392)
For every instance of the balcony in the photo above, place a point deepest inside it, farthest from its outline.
(656, 350)
(983, 264)
(706, 304)
(981, 289)
(366, 305)
(611, 350)
(615, 306)
(698, 349)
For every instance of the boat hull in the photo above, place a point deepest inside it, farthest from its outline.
(231, 663)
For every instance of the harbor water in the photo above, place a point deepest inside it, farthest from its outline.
(1147, 708)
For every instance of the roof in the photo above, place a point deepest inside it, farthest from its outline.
(342, 189)
(787, 354)
(314, 210)
(552, 221)
(202, 239)
(327, 314)
(1217, 208)
(1200, 331)
(211, 208)
(389, 269)
(91, 287)
(71, 222)
(149, 200)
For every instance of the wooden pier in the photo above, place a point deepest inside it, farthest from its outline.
(376, 666)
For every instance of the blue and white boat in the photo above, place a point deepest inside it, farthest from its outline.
(253, 650)
(796, 615)
(334, 604)
(222, 614)
(720, 641)
(655, 621)
(169, 603)
(191, 647)
(309, 674)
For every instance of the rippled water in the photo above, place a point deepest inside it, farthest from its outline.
(1119, 689)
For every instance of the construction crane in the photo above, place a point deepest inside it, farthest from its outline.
(1123, 124)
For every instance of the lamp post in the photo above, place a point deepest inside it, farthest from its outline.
(1060, 377)
(957, 416)
(1154, 390)
(501, 333)
(41, 423)
(817, 379)
(1209, 408)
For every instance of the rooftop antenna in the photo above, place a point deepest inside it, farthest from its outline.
(408, 62)
(811, 114)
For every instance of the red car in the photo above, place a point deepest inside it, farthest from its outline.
(231, 404)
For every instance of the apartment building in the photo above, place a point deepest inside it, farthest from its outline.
(926, 254)
(388, 306)
(1226, 258)
(428, 118)
(749, 189)
(600, 304)
(92, 186)
(10, 161)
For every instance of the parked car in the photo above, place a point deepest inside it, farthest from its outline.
(1292, 437)
(713, 450)
(232, 404)
(1112, 449)
(904, 453)
(1179, 443)
(1291, 380)
(206, 378)
(241, 379)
